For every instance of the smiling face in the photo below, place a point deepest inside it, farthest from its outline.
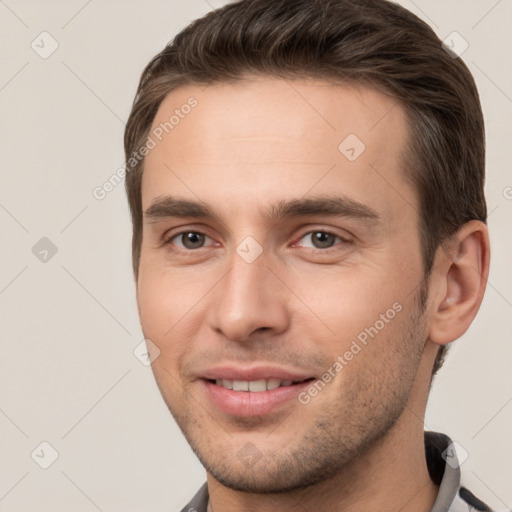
(281, 247)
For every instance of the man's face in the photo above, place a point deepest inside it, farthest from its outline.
(248, 295)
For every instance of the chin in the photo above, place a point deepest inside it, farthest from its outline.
(262, 481)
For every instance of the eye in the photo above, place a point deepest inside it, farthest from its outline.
(188, 240)
(321, 239)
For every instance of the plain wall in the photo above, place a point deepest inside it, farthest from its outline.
(68, 326)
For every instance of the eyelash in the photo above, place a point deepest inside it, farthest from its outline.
(344, 241)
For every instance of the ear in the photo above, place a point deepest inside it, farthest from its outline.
(458, 281)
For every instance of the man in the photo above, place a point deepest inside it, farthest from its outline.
(305, 179)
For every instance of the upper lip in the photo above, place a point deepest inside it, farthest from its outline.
(255, 373)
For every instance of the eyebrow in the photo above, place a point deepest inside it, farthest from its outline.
(332, 206)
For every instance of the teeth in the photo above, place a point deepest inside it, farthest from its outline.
(273, 384)
(240, 385)
(228, 384)
(256, 386)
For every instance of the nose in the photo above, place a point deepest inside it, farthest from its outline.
(250, 299)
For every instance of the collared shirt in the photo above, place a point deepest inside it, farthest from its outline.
(444, 471)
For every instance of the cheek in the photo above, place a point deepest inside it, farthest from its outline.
(166, 297)
(152, 303)
(378, 363)
(169, 302)
(344, 302)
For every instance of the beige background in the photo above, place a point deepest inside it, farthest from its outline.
(68, 326)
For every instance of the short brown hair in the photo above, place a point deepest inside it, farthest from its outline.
(369, 42)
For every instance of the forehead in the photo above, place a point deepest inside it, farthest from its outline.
(268, 138)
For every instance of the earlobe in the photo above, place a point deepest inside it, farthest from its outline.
(461, 273)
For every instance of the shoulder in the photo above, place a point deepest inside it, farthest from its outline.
(199, 502)
(444, 469)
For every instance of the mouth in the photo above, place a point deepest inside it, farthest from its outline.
(251, 398)
(256, 386)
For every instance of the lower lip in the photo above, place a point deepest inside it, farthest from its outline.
(249, 403)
